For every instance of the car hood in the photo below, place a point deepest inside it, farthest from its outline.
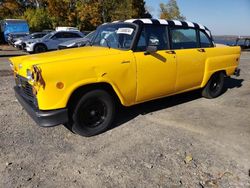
(34, 40)
(25, 62)
(18, 41)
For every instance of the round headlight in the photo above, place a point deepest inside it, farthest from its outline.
(20, 66)
(29, 75)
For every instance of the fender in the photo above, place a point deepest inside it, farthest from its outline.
(226, 63)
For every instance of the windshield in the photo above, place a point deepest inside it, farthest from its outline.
(48, 35)
(90, 35)
(115, 36)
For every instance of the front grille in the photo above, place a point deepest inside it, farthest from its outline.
(26, 89)
(23, 45)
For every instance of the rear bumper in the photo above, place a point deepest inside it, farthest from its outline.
(48, 118)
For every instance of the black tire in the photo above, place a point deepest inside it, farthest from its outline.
(39, 48)
(214, 86)
(93, 113)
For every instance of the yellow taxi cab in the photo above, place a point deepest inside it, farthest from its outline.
(129, 62)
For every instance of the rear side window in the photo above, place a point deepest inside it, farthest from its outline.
(183, 38)
(153, 35)
(205, 40)
(71, 35)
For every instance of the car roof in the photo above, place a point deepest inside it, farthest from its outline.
(19, 33)
(62, 31)
(166, 22)
(36, 33)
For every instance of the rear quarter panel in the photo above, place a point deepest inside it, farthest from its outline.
(222, 58)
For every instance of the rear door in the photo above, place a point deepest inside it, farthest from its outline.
(190, 57)
(156, 72)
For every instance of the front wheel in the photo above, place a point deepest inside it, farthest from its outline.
(39, 48)
(94, 113)
(214, 86)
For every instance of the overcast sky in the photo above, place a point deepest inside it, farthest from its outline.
(222, 17)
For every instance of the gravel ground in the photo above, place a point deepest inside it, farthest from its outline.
(179, 141)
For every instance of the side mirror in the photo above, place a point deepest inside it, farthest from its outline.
(150, 49)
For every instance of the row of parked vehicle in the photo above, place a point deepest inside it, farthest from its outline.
(47, 40)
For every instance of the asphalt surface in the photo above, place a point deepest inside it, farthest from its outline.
(179, 141)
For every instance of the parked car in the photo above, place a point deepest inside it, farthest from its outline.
(77, 42)
(13, 26)
(47, 30)
(51, 41)
(128, 62)
(243, 42)
(20, 42)
(13, 37)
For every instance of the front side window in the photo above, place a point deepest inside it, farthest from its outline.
(153, 35)
(183, 38)
(49, 35)
(58, 35)
(115, 36)
(205, 41)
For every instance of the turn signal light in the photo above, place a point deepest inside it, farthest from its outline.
(59, 85)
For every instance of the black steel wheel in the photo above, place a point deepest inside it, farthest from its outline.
(214, 86)
(94, 113)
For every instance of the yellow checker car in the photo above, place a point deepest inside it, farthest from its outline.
(129, 62)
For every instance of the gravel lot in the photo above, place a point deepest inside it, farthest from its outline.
(180, 141)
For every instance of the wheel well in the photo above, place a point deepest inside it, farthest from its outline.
(220, 71)
(217, 72)
(206, 80)
(40, 44)
(77, 94)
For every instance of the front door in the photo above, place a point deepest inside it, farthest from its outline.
(156, 71)
(56, 40)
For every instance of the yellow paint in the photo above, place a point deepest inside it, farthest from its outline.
(134, 76)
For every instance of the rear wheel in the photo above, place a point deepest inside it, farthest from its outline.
(93, 113)
(39, 48)
(214, 86)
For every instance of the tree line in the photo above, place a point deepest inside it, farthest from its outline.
(83, 14)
